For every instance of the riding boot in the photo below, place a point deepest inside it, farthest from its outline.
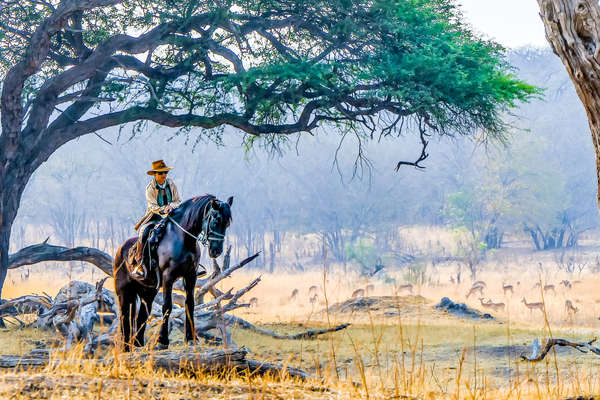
(138, 270)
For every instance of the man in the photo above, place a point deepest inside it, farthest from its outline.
(162, 197)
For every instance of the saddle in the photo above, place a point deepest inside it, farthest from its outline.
(150, 239)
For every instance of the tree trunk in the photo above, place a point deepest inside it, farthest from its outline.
(12, 184)
(534, 237)
(573, 30)
(272, 257)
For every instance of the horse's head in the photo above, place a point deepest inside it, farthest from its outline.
(217, 221)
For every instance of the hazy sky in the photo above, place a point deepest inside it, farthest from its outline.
(513, 23)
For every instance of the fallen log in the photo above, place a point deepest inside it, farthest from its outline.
(25, 305)
(190, 360)
(309, 334)
(74, 318)
(539, 353)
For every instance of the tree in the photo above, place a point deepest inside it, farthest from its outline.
(269, 68)
(573, 31)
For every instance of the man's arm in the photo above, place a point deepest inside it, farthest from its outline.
(176, 200)
(151, 202)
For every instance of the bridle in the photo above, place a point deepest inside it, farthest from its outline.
(206, 235)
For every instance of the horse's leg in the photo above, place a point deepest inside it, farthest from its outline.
(146, 301)
(189, 283)
(127, 303)
(163, 338)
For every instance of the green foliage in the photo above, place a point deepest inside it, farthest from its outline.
(362, 251)
(348, 59)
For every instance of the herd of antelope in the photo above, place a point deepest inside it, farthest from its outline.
(477, 288)
(509, 290)
(313, 296)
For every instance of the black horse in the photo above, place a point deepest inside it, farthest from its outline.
(202, 218)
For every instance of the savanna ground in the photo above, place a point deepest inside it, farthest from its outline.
(399, 347)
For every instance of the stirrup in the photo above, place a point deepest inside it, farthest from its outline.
(139, 272)
(201, 271)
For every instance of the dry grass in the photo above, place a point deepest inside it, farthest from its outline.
(415, 350)
(444, 361)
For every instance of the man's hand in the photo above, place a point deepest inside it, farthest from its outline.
(168, 209)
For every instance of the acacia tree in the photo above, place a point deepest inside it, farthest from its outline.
(269, 68)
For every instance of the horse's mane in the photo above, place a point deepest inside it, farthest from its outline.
(191, 211)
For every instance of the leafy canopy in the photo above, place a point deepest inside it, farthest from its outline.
(270, 68)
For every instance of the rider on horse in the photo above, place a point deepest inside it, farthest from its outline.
(162, 197)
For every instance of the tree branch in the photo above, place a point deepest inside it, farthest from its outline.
(45, 252)
(539, 354)
(11, 106)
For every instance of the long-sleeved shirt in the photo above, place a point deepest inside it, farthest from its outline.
(152, 205)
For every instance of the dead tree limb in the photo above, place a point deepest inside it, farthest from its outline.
(310, 334)
(46, 252)
(539, 354)
(25, 305)
(74, 318)
(210, 283)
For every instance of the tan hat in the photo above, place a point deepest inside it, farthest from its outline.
(158, 166)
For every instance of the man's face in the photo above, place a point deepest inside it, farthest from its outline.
(160, 177)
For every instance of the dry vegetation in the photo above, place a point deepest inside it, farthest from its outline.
(397, 346)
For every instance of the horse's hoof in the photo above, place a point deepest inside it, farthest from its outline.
(161, 346)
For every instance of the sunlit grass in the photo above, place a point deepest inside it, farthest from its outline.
(418, 360)
(398, 347)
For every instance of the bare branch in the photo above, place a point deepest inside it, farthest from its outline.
(540, 354)
(46, 252)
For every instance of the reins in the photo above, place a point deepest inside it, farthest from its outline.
(206, 235)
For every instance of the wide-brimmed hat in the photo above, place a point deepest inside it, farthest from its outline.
(158, 166)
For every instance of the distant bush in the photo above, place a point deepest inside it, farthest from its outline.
(362, 251)
(416, 273)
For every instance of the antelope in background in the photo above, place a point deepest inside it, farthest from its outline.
(533, 306)
(254, 302)
(358, 293)
(506, 288)
(294, 295)
(491, 305)
(476, 288)
(479, 283)
(408, 287)
(570, 308)
(566, 284)
(549, 287)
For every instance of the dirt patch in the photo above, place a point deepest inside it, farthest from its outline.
(388, 306)
(406, 306)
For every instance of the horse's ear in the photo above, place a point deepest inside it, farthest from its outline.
(214, 204)
(230, 201)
